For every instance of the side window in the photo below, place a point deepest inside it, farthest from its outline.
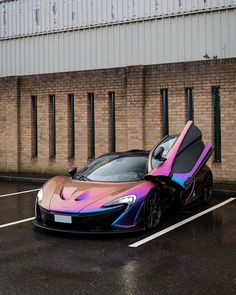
(167, 144)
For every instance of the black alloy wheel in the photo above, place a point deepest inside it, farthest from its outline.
(153, 210)
(207, 188)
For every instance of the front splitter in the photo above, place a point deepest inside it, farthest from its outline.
(88, 232)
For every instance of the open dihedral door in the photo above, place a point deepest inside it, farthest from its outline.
(184, 157)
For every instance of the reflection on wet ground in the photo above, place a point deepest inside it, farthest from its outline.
(197, 258)
(13, 187)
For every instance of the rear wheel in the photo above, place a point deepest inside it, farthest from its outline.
(207, 188)
(153, 210)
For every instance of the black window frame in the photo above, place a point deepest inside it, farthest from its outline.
(34, 126)
(71, 126)
(190, 103)
(165, 109)
(52, 126)
(217, 124)
(91, 125)
(112, 123)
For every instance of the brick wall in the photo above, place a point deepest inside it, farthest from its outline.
(139, 120)
(9, 128)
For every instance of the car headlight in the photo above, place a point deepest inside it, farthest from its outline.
(40, 196)
(129, 200)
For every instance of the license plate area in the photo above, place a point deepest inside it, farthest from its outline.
(63, 219)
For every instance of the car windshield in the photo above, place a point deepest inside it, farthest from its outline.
(115, 168)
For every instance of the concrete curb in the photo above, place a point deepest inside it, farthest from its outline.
(218, 190)
(36, 180)
(227, 193)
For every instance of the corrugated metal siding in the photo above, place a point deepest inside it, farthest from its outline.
(25, 17)
(174, 39)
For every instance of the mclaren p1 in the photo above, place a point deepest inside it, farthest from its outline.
(128, 191)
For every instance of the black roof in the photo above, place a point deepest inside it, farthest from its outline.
(129, 153)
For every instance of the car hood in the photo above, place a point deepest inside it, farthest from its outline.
(63, 194)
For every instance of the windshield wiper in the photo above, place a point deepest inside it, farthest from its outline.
(83, 178)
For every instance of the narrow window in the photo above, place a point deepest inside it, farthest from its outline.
(217, 123)
(164, 95)
(52, 126)
(71, 126)
(112, 122)
(91, 126)
(34, 127)
(189, 95)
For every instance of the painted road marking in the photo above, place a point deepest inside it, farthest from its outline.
(16, 222)
(172, 227)
(19, 193)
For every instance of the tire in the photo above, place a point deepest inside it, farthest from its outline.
(207, 188)
(153, 210)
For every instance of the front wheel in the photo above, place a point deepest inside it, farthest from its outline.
(207, 188)
(153, 210)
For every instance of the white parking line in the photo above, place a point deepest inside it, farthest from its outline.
(19, 193)
(16, 222)
(172, 227)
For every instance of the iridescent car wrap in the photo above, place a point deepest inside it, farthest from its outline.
(79, 204)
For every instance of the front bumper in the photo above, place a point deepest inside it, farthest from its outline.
(96, 222)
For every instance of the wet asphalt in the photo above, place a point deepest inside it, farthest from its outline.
(197, 258)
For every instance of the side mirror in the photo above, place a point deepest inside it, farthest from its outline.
(158, 154)
(72, 171)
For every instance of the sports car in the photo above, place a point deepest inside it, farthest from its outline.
(128, 191)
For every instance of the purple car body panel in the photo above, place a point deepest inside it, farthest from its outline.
(181, 178)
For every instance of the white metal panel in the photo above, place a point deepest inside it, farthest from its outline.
(224, 37)
(1, 59)
(12, 58)
(8, 59)
(231, 34)
(165, 40)
(98, 50)
(24, 17)
(180, 38)
(116, 46)
(1, 21)
(201, 35)
(135, 42)
(105, 48)
(91, 48)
